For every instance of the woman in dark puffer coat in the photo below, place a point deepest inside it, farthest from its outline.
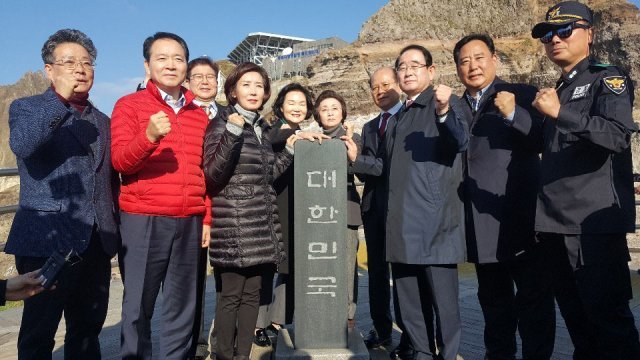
(240, 167)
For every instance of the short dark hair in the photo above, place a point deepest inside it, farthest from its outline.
(67, 36)
(428, 59)
(148, 42)
(469, 38)
(202, 60)
(277, 105)
(329, 94)
(238, 72)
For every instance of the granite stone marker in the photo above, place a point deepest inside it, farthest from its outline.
(320, 204)
(319, 329)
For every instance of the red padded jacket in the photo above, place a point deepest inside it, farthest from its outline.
(164, 178)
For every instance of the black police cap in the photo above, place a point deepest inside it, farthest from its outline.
(561, 14)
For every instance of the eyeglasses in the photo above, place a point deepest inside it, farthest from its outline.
(71, 64)
(381, 87)
(200, 77)
(403, 68)
(562, 32)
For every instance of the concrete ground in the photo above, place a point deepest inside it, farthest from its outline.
(471, 347)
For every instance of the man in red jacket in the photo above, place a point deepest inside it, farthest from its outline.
(157, 138)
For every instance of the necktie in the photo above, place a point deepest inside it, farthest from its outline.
(409, 102)
(383, 124)
(206, 109)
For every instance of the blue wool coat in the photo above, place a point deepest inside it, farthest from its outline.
(67, 184)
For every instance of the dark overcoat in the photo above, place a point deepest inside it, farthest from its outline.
(501, 175)
(425, 215)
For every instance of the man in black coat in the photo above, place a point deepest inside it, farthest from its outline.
(586, 202)
(501, 180)
(424, 223)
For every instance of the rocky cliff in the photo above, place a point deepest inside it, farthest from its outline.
(439, 24)
(31, 83)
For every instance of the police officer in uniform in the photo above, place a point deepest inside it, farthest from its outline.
(585, 201)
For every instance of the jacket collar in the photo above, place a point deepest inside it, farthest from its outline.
(155, 92)
(573, 74)
(425, 97)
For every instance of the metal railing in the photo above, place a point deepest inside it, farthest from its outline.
(8, 208)
(13, 208)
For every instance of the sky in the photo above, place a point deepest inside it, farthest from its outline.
(119, 27)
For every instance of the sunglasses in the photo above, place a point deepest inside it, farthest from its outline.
(562, 32)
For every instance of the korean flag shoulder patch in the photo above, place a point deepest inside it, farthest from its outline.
(617, 84)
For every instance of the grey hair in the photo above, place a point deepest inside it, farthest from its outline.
(67, 36)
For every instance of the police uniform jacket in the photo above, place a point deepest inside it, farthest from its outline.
(586, 178)
(501, 175)
(425, 222)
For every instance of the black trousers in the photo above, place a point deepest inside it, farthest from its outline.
(529, 307)
(81, 294)
(158, 251)
(213, 336)
(592, 285)
(379, 294)
(419, 286)
(237, 310)
(200, 337)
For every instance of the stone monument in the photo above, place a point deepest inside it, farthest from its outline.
(320, 268)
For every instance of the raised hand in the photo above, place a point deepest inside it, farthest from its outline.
(159, 126)
(505, 102)
(547, 102)
(442, 94)
(236, 119)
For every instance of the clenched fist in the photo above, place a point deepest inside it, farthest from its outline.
(159, 126)
(505, 102)
(547, 102)
(442, 96)
(236, 119)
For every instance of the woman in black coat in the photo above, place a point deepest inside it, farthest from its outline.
(330, 112)
(240, 168)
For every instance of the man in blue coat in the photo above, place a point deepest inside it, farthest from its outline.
(425, 227)
(61, 142)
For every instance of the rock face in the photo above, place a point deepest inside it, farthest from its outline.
(31, 83)
(438, 25)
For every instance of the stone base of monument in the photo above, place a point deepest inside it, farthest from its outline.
(356, 350)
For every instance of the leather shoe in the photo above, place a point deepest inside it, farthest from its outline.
(373, 341)
(402, 352)
(261, 338)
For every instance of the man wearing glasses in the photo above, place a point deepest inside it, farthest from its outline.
(369, 166)
(67, 187)
(425, 226)
(202, 79)
(586, 201)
